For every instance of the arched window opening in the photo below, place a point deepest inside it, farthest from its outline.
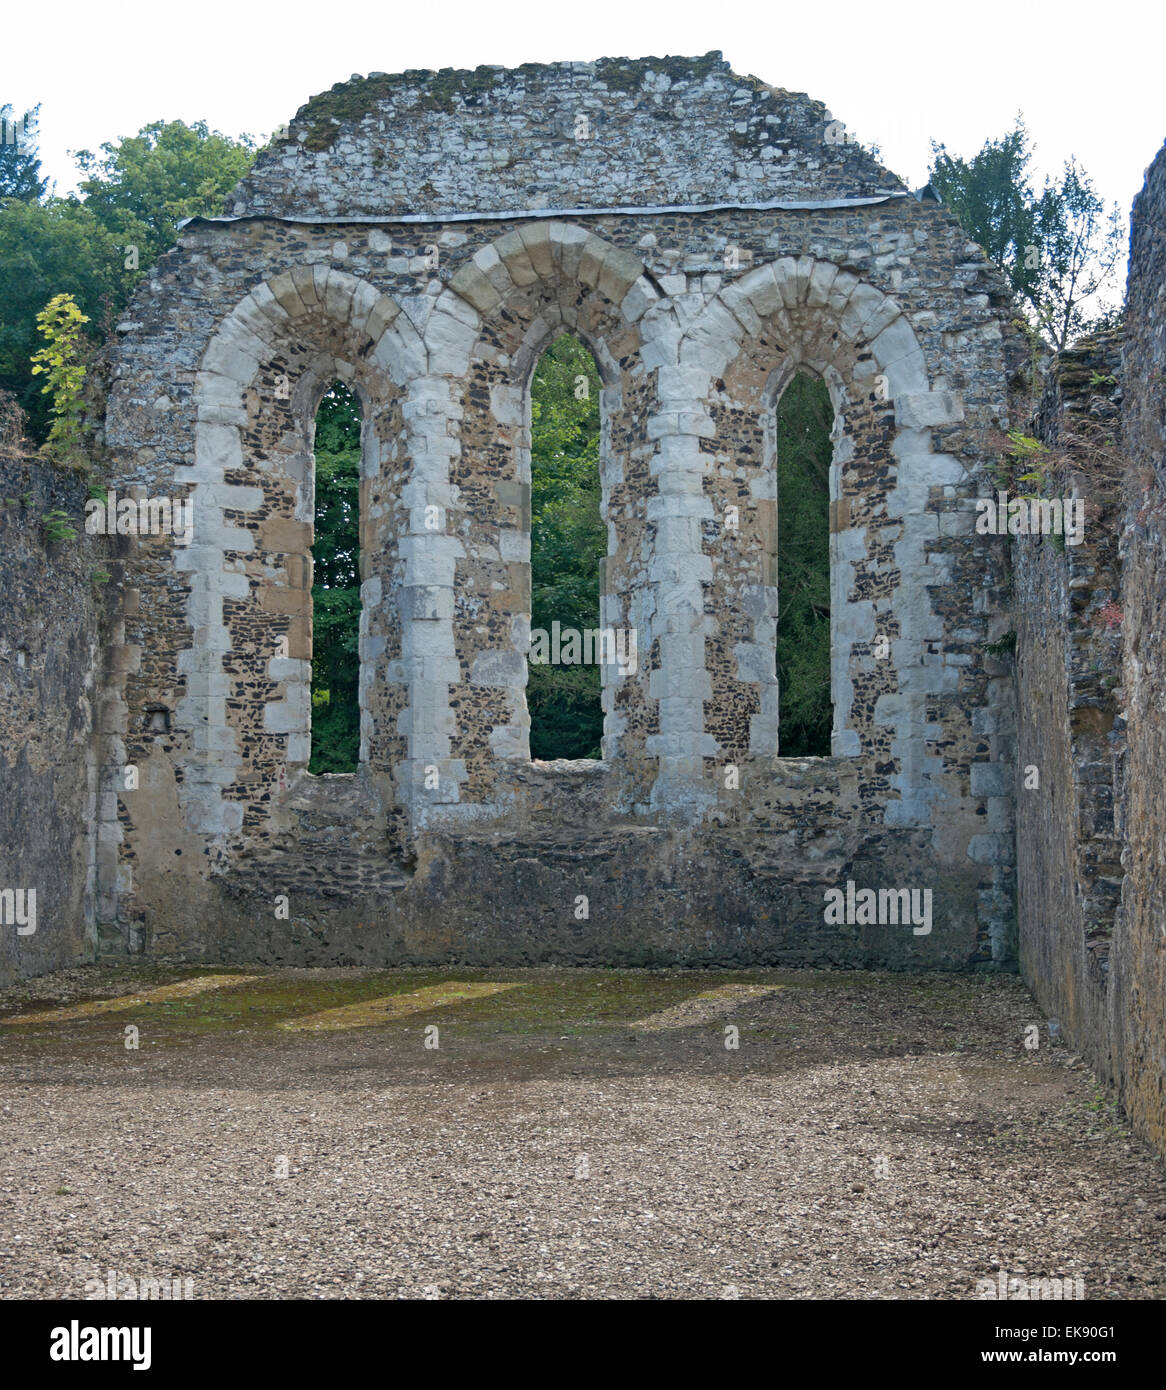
(336, 585)
(568, 542)
(805, 415)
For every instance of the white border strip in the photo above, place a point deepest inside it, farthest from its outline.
(775, 205)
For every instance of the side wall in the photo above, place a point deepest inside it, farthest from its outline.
(50, 649)
(1070, 740)
(1139, 955)
(1091, 665)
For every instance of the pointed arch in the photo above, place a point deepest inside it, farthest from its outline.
(486, 331)
(569, 545)
(799, 447)
(754, 334)
(249, 566)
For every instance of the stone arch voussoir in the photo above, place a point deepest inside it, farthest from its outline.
(553, 252)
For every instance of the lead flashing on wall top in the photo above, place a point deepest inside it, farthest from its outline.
(774, 205)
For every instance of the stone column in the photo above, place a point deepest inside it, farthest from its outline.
(428, 664)
(677, 571)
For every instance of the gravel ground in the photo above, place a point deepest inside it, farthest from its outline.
(871, 1136)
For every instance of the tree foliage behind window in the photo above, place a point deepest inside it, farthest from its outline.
(568, 540)
(804, 418)
(336, 585)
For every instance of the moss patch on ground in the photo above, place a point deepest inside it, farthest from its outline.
(187, 1004)
(162, 994)
(502, 1015)
(387, 1008)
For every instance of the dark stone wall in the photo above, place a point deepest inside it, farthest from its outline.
(1091, 671)
(1070, 739)
(50, 643)
(1138, 989)
(715, 896)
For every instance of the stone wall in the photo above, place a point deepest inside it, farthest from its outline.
(1091, 689)
(705, 237)
(649, 131)
(1138, 963)
(51, 643)
(1070, 734)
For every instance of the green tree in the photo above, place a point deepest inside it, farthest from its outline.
(336, 585)
(1058, 250)
(142, 186)
(20, 176)
(97, 247)
(46, 249)
(568, 540)
(1081, 244)
(804, 450)
(991, 196)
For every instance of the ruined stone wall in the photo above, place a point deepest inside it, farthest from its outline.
(661, 131)
(1138, 960)
(51, 644)
(1070, 734)
(1091, 685)
(364, 251)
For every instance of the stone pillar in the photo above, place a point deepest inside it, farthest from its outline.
(428, 664)
(677, 571)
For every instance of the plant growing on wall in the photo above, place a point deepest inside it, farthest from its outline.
(57, 526)
(1032, 455)
(62, 361)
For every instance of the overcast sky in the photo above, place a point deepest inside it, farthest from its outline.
(1088, 77)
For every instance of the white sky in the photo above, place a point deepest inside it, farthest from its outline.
(1088, 77)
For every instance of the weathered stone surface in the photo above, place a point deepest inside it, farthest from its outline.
(1092, 693)
(1067, 658)
(52, 716)
(1138, 959)
(449, 843)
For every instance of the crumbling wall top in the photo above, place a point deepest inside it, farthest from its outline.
(615, 132)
